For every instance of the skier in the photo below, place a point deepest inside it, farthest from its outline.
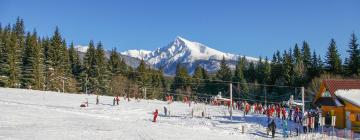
(114, 101)
(290, 113)
(304, 123)
(97, 99)
(155, 115)
(117, 100)
(277, 111)
(272, 128)
(268, 113)
(165, 111)
(247, 108)
(285, 128)
(283, 112)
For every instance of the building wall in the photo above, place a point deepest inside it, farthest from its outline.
(354, 111)
(338, 112)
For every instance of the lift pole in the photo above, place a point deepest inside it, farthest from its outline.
(231, 102)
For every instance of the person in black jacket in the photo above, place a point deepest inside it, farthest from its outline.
(272, 128)
(327, 120)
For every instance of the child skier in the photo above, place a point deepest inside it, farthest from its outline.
(285, 128)
(155, 115)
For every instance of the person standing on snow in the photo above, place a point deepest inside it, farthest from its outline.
(283, 112)
(155, 115)
(114, 101)
(97, 99)
(272, 127)
(285, 128)
(117, 100)
(165, 111)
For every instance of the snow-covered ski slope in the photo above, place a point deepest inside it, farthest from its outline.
(31, 114)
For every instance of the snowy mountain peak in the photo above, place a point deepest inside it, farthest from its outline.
(81, 48)
(140, 54)
(185, 52)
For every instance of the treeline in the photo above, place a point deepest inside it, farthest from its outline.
(48, 63)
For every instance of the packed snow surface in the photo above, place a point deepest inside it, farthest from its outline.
(31, 114)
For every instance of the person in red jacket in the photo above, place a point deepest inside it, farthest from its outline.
(117, 100)
(272, 111)
(283, 112)
(155, 115)
(247, 108)
(260, 108)
(278, 111)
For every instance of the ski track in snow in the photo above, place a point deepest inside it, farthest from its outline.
(31, 114)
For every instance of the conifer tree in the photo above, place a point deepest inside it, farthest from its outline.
(114, 62)
(14, 61)
(90, 74)
(39, 82)
(353, 64)
(142, 73)
(102, 73)
(4, 50)
(306, 54)
(297, 54)
(74, 60)
(28, 62)
(19, 31)
(333, 60)
(197, 79)
(267, 71)
(287, 68)
(224, 73)
(181, 79)
(239, 76)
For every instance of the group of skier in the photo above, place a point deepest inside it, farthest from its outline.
(308, 120)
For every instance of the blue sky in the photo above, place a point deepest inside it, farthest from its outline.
(254, 28)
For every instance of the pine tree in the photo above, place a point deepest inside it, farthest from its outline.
(142, 73)
(306, 54)
(114, 62)
(14, 61)
(182, 79)
(48, 64)
(224, 73)
(19, 30)
(267, 71)
(260, 69)
(353, 64)
(60, 74)
(239, 77)
(4, 52)
(333, 60)
(28, 62)
(38, 63)
(250, 73)
(287, 67)
(197, 78)
(313, 69)
(297, 54)
(89, 75)
(74, 61)
(102, 73)
(239, 70)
